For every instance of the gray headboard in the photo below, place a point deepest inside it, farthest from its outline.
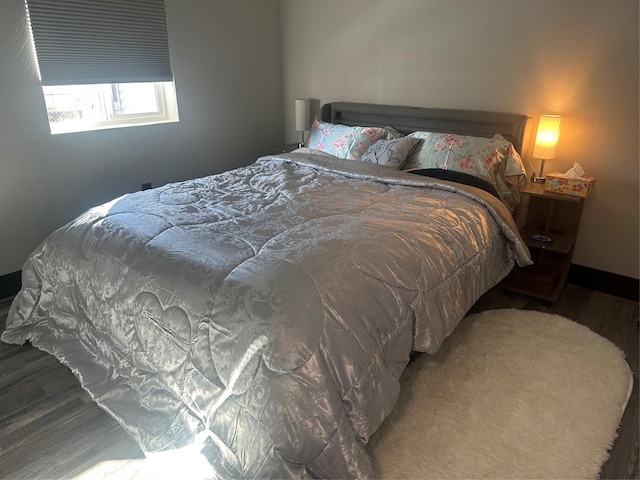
(511, 126)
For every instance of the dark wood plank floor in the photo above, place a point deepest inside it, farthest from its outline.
(50, 428)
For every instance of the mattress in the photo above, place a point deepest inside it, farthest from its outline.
(266, 312)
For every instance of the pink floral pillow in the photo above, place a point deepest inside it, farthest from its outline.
(494, 160)
(344, 141)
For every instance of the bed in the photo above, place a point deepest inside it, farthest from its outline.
(265, 314)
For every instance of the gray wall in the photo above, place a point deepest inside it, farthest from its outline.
(226, 62)
(240, 64)
(576, 58)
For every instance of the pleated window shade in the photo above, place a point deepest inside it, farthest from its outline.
(100, 41)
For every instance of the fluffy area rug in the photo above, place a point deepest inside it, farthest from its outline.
(511, 394)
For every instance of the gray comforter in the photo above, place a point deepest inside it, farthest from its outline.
(271, 308)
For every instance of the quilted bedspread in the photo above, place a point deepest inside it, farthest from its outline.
(270, 308)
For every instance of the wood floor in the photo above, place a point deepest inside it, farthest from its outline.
(50, 428)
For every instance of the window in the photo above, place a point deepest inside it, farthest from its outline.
(73, 108)
(103, 63)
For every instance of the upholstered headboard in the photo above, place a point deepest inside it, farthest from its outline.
(511, 126)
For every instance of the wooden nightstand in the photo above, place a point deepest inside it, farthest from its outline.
(289, 147)
(557, 217)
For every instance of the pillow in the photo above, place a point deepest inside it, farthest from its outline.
(394, 132)
(511, 177)
(494, 160)
(390, 152)
(344, 141)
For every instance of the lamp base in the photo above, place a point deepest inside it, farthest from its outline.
(536, 179)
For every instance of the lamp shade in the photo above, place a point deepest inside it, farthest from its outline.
(547, 137)
(303, 122)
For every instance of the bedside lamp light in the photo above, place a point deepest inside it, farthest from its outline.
(546, 142)
(303, 122)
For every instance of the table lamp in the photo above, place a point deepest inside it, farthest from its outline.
(546, 142)
(303, 122)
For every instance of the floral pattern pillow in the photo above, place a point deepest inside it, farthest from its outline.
(344, 141)
(390, 152)
(494, 160)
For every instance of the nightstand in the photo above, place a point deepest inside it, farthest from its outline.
(556, 217)
(289, 147)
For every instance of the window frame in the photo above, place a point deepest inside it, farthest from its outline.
(90, 43)
(165, 97)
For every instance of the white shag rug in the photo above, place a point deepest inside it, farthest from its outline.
(511, 394)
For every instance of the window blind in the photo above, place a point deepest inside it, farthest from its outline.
(100, 41)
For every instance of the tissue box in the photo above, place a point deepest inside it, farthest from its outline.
(579, 187)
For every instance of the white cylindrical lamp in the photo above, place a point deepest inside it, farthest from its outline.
(303, 122)
(546, 142)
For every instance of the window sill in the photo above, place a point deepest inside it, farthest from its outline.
(67, 128)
